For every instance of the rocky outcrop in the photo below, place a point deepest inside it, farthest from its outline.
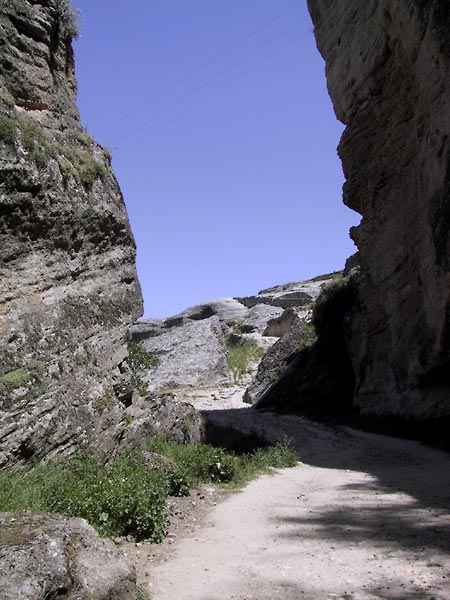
(164, 416)
(387, 66)
(46, 556)
(277, 360)
(309, 370)
(190, 355)
(68, 286)
(191, 348)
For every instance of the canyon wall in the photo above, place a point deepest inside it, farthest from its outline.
(68, 287)
(388, 74)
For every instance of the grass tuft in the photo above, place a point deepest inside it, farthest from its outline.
(242, 355)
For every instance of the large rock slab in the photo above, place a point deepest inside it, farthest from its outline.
(259, 316)
(46, 556)
(388, 72)
(277, 360)
(68, 284)
(189, 355)
(162, 415)
(225, 309)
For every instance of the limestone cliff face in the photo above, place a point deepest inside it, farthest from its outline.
(388, 72)
(68, 286)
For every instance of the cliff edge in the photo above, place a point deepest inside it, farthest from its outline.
(387, 66)
(68, 286)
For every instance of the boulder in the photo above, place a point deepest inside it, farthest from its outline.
(161, 415)
(47, 556)
(225, 309)
(259, 316)
(278, 327)
(189, 355)
(277, 360)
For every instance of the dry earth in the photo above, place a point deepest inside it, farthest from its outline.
(362, 517)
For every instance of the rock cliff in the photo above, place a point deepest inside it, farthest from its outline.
(68, 287)
(387, 66)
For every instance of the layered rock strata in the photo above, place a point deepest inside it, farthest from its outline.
(388, 73)
(68, 285)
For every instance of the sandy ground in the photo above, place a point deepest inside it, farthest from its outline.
(361, 517)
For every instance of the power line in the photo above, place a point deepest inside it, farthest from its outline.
(169, 121)
(229, 68)
(200, 68)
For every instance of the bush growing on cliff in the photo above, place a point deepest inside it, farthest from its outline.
(68, 18)
(140, 360)
(8, 129)
(331, 305)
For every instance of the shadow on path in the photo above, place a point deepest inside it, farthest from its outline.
(404, 503)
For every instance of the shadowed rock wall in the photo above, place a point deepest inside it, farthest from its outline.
(387, 66)
(68, 285)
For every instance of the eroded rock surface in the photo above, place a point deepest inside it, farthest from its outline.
(387, 67)
(277, 360)
(46, 556)
(189, 355)
(161, 415)
(68, 285)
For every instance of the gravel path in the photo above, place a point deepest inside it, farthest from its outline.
(362, 517)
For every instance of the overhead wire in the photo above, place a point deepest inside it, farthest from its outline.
(214, 93)
(200, 68)
(206, 84)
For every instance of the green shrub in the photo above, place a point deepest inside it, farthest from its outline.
(241, 356)
(123, 498)
(330, 307)
(140, 360)
(75, 162)
(68, 18)
(8, 129)
(126, 497)
(205, 463)
(85, 168)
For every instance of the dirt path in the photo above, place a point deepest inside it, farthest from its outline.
(362, 517)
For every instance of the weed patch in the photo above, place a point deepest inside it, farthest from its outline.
(8, 130)
(140, 360)
(127, 497)
(242, 355)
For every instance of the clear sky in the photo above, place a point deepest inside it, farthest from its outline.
(223, 140)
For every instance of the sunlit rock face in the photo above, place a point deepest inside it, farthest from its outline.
(387, 67)
(68, 287)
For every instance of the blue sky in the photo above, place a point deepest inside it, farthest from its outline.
(228, 160)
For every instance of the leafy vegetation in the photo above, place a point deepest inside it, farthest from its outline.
(8, 129)
(76, 162)
(68, 18)
(241, 356)
(20, 377)
(140, 360)
(332, 303)
(126, 497)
